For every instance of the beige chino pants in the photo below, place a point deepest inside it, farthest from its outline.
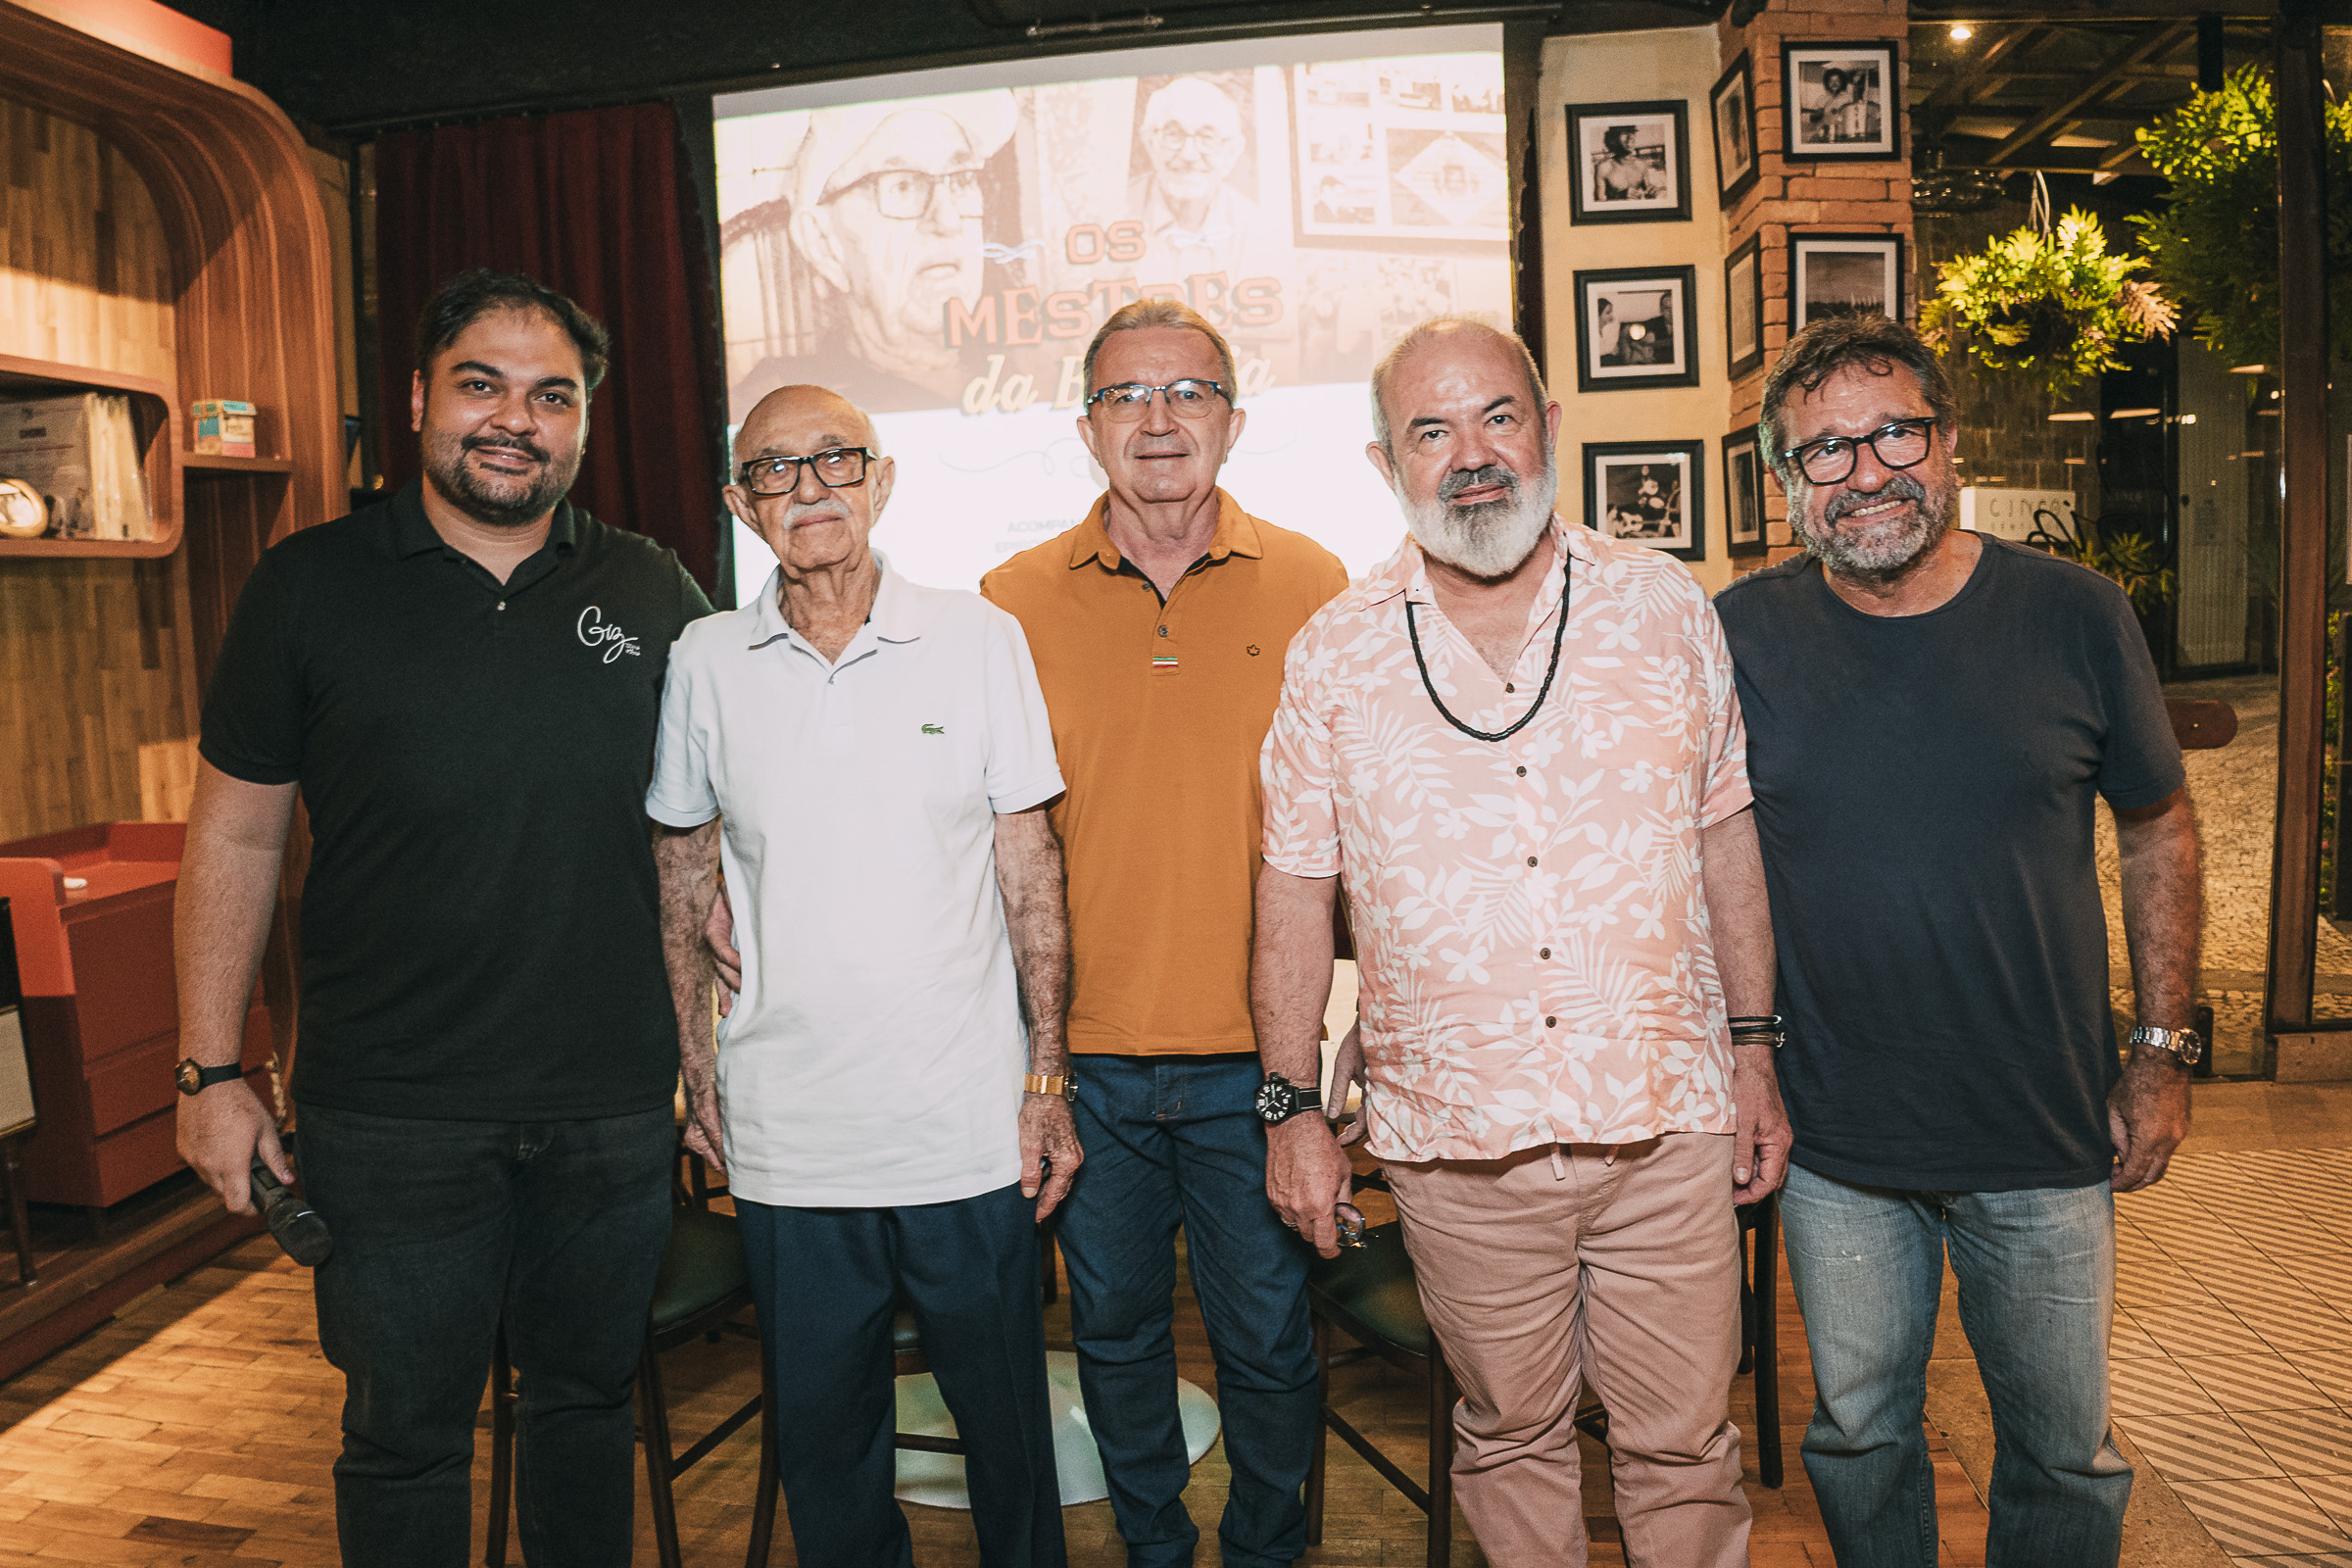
(1616, 1266)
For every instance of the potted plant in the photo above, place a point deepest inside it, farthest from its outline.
(2048, 302)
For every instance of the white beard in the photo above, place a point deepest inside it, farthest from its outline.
(1489, 540)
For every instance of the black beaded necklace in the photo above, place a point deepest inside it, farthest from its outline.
(1560, 635)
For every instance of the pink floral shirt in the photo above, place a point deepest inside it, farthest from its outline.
(1529, 922)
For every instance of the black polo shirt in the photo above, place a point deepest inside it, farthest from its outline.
(481, 929)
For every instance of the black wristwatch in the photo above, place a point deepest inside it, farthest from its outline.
(1279, 1099)
(195, 1080)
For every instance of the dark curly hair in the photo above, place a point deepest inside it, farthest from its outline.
(1874, 343)
(473, 294)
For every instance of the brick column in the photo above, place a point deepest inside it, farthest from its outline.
(1800, 196)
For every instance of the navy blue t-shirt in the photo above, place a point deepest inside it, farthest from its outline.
(1925, 789)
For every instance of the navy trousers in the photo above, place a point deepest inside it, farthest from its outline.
(826, 1282)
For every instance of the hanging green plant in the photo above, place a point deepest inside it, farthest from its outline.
(2215, 247)
(2047, 303)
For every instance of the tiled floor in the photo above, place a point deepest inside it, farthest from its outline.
(2232, 1356)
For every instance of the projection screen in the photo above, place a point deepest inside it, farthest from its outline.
(939, 246)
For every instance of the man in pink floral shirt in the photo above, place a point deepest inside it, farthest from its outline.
(1518, 745)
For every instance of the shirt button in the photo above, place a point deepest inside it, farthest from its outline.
(1550, 1022)
(1163, 632)
(1543, 953)
(1509, 687)
(1531, 859)
(1522, 772)
(501, 604)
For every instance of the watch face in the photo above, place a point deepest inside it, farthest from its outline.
(189, 1079)
(1276, 1100)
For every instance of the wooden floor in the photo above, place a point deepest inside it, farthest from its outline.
(198, 1428)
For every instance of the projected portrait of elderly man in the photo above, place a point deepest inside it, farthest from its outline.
(1195, 221)
(885, 229)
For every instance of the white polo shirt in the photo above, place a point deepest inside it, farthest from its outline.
(875, 1056)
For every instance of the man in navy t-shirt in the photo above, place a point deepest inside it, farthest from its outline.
(1932, 716)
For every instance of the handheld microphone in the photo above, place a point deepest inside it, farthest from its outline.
(296, 1225)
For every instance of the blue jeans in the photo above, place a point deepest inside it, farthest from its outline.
(2036, 1273)
(825, 1282)
(443, 1229)
(1176, 1140)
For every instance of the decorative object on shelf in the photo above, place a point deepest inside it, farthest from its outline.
(1648, 492)
(1629, 163)
(1743, 307)
(2046, 302)
(80, 450)
(1940, 192)
(1844, 275)
(1731, 109)
(223, 427)
(1838, 100)
(1633, 328)
(23, 510)
(2214, 247)
(1743, 492)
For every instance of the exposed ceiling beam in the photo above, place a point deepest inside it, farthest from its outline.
(1954, 88)
(2095, 87)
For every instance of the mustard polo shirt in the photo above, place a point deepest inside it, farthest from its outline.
(1158, 712)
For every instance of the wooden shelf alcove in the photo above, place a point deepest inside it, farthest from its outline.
(253, 312)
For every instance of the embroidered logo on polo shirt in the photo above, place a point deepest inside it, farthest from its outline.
(935, 729)
(596, 633)
(1253, 650)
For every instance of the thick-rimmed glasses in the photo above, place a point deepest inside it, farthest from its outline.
(1188, 399)
(906, 193)
(1904, 443)
(836, 469)
(1170, 139)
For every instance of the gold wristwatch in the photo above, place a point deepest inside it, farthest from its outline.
(1037, 1083)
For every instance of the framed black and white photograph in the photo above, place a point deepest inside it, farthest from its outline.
(1648, 492)
(1743, 492)
(1629, 163)
(1839, 100)
(1844, 275)
(1633, 328)
(1731, 109)
(1743, 307)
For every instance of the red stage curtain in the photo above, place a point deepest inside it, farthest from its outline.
(595, 203)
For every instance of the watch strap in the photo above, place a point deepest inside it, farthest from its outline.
(2181, 1044)
(195, 1079)
(1037, 1083)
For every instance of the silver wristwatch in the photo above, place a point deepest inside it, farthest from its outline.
(2184, 1045)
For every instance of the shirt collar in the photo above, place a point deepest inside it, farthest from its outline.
(896, 615)
(1406, 572)
(414, 533)
(1236, 535)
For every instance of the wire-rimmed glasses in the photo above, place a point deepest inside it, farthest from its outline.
(1903, 444)
(1169, 140)
(836, 469)
(1188, 399)
(905, 193)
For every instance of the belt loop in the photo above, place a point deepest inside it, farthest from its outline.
(1560, 1166)
(1609, 1159)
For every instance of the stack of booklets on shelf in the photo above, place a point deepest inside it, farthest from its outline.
(81, 453)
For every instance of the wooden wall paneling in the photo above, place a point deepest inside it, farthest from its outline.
(85, 265)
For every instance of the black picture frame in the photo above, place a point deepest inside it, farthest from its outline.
(1732, 106)
(1591, 128)
(1822, 121)
(1743, 307)
(1744, 527)
(1810, 287)
(1601, 364)
(1619, 466)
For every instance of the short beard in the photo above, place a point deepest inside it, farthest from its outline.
(1882, 551)
(1490, 539)
(497, 503)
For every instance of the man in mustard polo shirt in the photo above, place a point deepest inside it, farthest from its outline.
(1158, 627)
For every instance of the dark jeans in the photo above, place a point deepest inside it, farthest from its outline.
(826, 1282)
(442, 1230)
(1170, 1141)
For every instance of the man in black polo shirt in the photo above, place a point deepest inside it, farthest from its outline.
(465, 684)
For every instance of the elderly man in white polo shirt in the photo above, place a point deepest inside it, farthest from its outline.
(872, 760)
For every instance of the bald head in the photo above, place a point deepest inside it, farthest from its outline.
(796, 420)
(1449, 337)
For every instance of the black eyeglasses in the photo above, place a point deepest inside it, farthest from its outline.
(836, 469)
(907, 193)
(1904, 443)
(1188, 399)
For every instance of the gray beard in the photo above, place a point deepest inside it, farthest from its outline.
(1881, 551)
(1491, 539)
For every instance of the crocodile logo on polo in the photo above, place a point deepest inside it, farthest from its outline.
(935, 729)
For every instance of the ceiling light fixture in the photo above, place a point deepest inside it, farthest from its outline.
(2249, 370)
(2072, 418)
(2134, 414)
(1962, 32)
